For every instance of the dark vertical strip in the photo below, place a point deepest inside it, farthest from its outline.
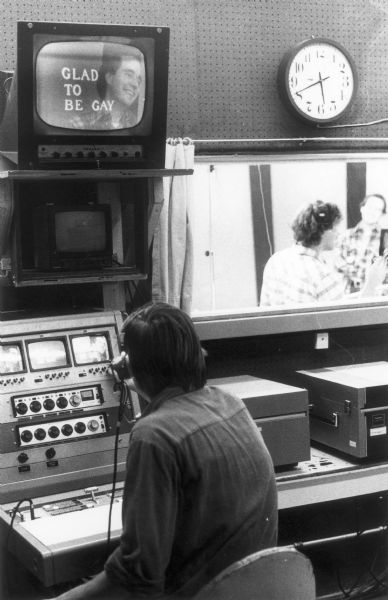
(261, 202)
(356, 190)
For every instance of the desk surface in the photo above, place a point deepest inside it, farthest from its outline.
(327, 477)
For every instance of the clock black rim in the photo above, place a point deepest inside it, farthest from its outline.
(282, 79)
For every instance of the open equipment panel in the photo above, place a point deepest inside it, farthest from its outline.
(58, 415)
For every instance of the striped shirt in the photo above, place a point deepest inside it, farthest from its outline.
(298, 275)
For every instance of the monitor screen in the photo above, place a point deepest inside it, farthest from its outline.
(91, 85)
(11, 359)
(47, 354)
(90, 349)
(80, 231)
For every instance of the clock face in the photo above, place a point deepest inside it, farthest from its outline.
(318, 80)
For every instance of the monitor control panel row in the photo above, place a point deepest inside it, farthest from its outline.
(58, 398)
(52, 152)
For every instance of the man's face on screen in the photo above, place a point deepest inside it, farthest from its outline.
(123, 86)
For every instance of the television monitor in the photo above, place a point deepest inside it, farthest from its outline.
(47, 354)
(90, 348)
(11, 358)
(72, 237)
(87, 96)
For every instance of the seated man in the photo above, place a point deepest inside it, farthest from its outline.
(359, 245)
(300, 274)
(200, 491)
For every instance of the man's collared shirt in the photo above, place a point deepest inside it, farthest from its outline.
(357, 249)
(199, 494)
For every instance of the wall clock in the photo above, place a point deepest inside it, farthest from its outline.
(317, 80)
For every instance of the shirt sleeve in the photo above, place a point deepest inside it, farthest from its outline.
(149, 519)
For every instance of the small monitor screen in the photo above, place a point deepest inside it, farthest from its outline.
(47, 354)
(80, 231)
(90, 85)
(90, 349)
(11, 359)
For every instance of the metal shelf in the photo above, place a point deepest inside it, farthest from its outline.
(93, 174)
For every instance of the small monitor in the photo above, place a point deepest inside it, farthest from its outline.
(92, 348)
(11, 359)
(47, 354)
(72, 238)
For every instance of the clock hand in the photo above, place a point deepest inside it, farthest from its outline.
(320, 81)
(299, 92)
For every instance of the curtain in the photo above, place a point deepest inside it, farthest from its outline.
(172, 254)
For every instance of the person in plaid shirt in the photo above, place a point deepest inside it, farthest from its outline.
(360, 245)
(300, 274)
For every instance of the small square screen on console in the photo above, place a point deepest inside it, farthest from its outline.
(80, 231)
(11, 360)
(47, 354)
(90, 349)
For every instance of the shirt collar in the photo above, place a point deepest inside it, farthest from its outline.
(159, 399)
(308, 251)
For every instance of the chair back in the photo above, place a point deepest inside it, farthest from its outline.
(281, 573)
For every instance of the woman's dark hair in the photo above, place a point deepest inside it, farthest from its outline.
(163, 349)
(313, 221)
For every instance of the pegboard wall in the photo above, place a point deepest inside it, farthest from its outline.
(224, 56)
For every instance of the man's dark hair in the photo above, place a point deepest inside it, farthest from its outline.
(111, 61)
(365, 200)
(163, 349)
(313, 221)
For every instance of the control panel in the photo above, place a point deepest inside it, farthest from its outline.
(86, 153)
(58, 400)
(61, 430)
(59, 403)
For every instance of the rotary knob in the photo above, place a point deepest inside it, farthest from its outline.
(67, 429)
(62, 402)
(80, 427)
(21, 408)
(23, 457)
(93, 425)
(53, 431)
(35, 406)
(26, 436)
(40, 434)
(75, 400)
(50, 453)
(49, 404)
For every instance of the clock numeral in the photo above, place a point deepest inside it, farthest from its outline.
(321, 109)
(309, 107)
(299, 67)
(346, 80)
(332, 106)
(293, 81)
(307, 57)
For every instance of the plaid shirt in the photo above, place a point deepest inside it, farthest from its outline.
(355, 253)
(297, 275)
